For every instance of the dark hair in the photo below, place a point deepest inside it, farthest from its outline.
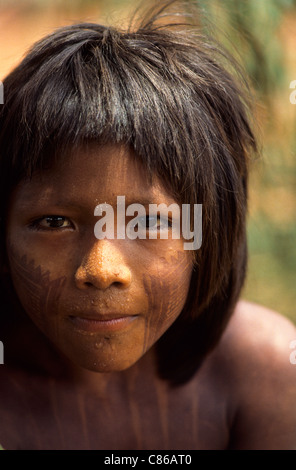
(165, 91)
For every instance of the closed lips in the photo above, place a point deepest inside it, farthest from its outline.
(110, 322)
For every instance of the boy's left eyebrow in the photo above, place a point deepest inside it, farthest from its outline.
(153, 199)
(140, 200)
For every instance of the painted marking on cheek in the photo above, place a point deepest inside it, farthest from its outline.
(35, 288)
(166, 297)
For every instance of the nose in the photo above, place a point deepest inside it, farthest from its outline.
(102, 267)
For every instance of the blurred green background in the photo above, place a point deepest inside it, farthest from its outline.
(264, 35)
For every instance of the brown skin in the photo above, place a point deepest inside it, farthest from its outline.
(99, 389)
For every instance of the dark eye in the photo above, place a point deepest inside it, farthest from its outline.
(148, 221)
(52, 222)
(154, 222)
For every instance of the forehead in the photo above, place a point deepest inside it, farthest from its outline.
(97, 174)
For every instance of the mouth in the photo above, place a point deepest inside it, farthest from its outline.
(102, 323)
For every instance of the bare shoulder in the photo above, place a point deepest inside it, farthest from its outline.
(260, 329)
(256, 355)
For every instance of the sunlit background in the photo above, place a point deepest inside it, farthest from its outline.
(264, 32)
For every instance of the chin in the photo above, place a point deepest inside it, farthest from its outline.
(103, 365)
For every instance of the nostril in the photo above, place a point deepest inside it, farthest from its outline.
(117, 284)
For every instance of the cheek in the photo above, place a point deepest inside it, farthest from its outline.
(167, 292)
(36, 291)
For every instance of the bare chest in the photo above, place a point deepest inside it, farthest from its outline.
(38, 415)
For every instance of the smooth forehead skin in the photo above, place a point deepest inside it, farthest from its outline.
(89, 175)
(67, 281)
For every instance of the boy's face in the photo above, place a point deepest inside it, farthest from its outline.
(102, 302)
